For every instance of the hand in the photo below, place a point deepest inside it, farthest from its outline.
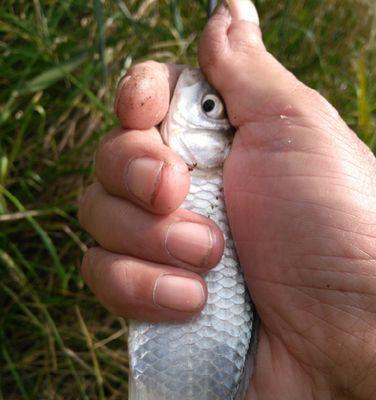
(301, 195)
(132, 211)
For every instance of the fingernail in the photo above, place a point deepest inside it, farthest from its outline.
(178, 293)
(189, 242)
(143, 177)
(243, 10)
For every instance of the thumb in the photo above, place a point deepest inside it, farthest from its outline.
(252, 82)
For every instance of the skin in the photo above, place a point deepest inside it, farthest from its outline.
(300, 190)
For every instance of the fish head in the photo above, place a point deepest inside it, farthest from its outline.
(196, 126)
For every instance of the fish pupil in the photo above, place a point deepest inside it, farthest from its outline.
(208, 105)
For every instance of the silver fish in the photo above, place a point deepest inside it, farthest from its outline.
(205, 358)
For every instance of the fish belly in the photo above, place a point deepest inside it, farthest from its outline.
(205, 358)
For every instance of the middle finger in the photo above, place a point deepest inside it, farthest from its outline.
(182, 238)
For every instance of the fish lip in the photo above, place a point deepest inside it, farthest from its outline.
(218, 150)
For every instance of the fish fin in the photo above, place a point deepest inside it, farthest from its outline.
(135, 390)
(251, 359)
(133, 394)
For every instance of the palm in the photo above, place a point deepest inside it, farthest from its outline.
(295, 242)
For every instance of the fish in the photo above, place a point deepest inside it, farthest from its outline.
(208, 357)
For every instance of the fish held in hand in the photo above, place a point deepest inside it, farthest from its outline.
(208, 357)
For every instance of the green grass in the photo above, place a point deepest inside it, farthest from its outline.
(59, 64)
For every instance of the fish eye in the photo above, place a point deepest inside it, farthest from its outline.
(212, 106)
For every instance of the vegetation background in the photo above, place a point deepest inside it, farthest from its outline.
(59, 65)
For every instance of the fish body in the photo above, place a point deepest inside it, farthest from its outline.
(205, 358)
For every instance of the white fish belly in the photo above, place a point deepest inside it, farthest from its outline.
(202, 359)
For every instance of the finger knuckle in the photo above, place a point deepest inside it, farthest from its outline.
(211, 56)
(245, 38)
(85, 266)
(85, 205)
(213, 47)
(105, 149)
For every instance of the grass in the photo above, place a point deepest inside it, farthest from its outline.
(59, 64)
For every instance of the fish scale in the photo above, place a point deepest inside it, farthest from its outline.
(204, 358)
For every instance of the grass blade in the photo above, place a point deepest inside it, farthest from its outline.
(364, 108)
(51, 249)
(98, 12)
(89, 342)
(51, 76)
(14, 372)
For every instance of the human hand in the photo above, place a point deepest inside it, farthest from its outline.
(133, 210)
(300, 192)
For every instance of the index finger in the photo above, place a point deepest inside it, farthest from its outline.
(143, 95)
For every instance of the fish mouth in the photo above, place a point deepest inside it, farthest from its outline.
(202, 149)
